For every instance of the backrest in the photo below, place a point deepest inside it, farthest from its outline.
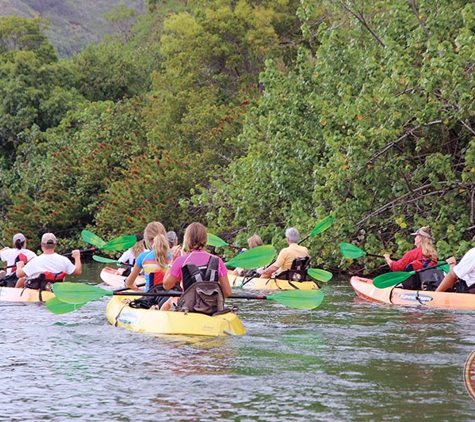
(298, 270)
(300, 263)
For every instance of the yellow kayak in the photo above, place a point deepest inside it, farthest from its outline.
(14, 294)
(171, 322)
(248, 283)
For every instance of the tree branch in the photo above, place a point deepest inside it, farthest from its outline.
(362, 20)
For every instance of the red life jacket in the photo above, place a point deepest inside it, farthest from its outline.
(20, 257)
(420, 264)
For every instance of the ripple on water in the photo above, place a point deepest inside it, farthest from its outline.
(346, 360)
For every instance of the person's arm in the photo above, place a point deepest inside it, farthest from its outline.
(76, 254)
(170, 280)
(130, 280)
(450, 279)
(267, 272)
(225, 286)
(402, 263)
(19, 269)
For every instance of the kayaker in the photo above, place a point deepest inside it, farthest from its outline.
(194, 242)
(48, 262)
(422, 256)
(11, 256)
(130, 255)
(286, 255)
(155, 260)
(253, 242)
(173, 243)
(461, 275)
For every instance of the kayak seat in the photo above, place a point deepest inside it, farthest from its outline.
(298, 270)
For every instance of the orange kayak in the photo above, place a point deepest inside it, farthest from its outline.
(365, 289)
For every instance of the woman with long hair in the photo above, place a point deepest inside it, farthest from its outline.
(131, 254)
(194, 243)
(153, 261)
(423, 255)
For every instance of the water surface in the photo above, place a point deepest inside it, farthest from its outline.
(347, 360)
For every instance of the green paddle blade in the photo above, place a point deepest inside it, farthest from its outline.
(77, 293)
(320, 275)
(391, 279)
(57, 307)
(91, 238)
(322, 226)
(299, 299)
(105, 260)
(259, 256)
(350, 251)
(120, 243)
(216, 241)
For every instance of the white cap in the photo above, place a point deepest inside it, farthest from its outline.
(49, 238)
(19, 237)
(422, 233)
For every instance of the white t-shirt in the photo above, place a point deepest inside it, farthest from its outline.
(9, 256)
(53, 263)
(127, 257)
(465, 269)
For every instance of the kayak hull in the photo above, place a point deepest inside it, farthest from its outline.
(14, 294)
(365, 289)
(112, 278)
(171, 322)
(247, 283)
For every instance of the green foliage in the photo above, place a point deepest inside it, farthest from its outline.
(250, 117)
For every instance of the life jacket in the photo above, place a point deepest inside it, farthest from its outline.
(44, 281)
(419, 264)
(20, 257)
(203, 292)
(156, 277)
(426, 278)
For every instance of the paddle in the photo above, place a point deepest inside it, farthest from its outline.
(57, 307)
(105, 260)
(92, 238)
(350, 251)
(391, 279)
(216, 241)
(319, 228)
(79, 294)
(260, 256)
(320, 275)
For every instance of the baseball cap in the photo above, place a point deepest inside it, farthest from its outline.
(19, 237)
(49, 238)
(422, 233)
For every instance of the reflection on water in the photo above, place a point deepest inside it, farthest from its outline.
(348, 360)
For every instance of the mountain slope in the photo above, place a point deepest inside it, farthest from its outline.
(73, 23)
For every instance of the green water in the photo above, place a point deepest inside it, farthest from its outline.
(346, 361)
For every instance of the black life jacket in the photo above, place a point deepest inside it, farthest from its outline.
(203, 292)
(44, 281)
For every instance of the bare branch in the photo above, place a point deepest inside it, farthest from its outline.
(401, 138)
(418, 16)
(359, 15)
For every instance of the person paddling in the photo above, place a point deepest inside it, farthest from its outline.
(155, 260)
(48, 262)
(131, 254)
(286, 255)
(194, 243)
(11, 256)
(422, 256)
